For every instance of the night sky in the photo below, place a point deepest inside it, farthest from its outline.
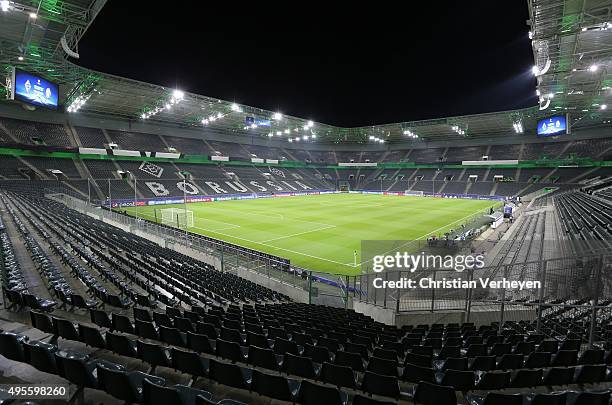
(346, 66)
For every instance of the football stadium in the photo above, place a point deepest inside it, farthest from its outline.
(162, 246)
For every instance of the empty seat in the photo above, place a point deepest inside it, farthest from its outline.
(66, 329)
(427, 393)
(172, 336)
(230, 374)
(559, 376)
(40, 355)
(146, 329)
(274, 386)
(382, 366)
(340, 376)
(378, 384)
(538, 360)
(413, 373)
(497, 398)
(230, 350)
(510, 362)
(122, 323)
(493, 380)
(263, 358)
(199, 343)
(189, 363)
(156, 394)
(460, 380)
(565, 358)
(153, 354)
(483, 363)
(557, 398)
(123, 385)
(121, 344)
(43, 322)
(592, 356)
(314, 394)
(91, 336)
(301, 366)
(590, 373)
(527, 378)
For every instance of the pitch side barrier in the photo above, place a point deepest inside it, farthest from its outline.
(141, 202)
(437, 195)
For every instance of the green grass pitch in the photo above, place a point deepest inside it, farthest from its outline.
(321, 232)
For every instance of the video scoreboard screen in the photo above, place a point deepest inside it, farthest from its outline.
(553, 126)
(34, 90)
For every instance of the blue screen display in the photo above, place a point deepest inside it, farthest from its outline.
(552, 126)
(35, 90)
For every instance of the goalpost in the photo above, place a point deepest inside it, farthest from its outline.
(414, 193)
(177, 217)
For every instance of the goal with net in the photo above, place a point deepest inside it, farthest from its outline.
(414, 193)
(177, 217)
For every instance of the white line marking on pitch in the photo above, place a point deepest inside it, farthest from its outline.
(299, 233)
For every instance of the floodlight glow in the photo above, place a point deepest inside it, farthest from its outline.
(287, 131)
(550, 95)
(178, 95)
(219, 115)
(290, 140)
(235, 107)
(310, 123)
(603, 106)
(20, 57)
(593, 68)
(4, 5)
(205, 121)
(314, 136)
(33, 16)
(277, 116)
(270, 134)
(168, 106)
(305, 137)
(279, 133)
(535, 70)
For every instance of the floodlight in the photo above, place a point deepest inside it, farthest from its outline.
(235, 107)
(535, 70)
(4, 5)
(593, 68)
(20, 57)
(603, 106)
(279, 133)
(314, 136)
(219, 115)
(287, 131)
(310, 123)
(277, 116)
(178, 95)
(168, 106)
(270, 134)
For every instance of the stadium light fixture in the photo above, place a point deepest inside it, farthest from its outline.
(20, 58)
(310, 124)
(279, 133)
(236, 107)
(287, 131)
(5, 5)
(33, 16)
(593, 68)
(277, 116)
(603, 106)
(178, 95)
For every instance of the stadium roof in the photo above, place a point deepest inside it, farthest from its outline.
(572, 45)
